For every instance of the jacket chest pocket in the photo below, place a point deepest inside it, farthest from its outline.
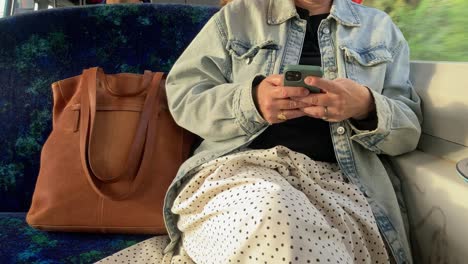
(367, 66)
(249, 60)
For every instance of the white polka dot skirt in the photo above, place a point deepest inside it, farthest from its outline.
(273, 206)
(148, 251)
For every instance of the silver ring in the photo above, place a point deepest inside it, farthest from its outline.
(325, 115)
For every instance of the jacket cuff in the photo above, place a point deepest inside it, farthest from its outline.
(371, 138)
(245, 110)
(370, 123)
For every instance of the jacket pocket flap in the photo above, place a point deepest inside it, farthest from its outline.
(368, 57)
(243, 50)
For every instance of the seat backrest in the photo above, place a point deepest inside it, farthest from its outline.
(442, 87)
(39, 48)
(436, 195)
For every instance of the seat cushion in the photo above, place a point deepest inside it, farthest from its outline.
(23, 244)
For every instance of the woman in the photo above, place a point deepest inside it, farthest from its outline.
(249, 194)
(283, 175)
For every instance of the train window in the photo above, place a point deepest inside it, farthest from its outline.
(2, 8)
(14, 7)
(435, 30)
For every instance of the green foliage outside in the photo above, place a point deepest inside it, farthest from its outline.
(434, 29)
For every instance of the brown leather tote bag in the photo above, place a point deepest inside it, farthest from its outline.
(112, 153)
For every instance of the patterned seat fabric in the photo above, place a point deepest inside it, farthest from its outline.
(23, 244)
(39, 48)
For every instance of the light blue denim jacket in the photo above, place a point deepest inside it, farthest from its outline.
(209, 92)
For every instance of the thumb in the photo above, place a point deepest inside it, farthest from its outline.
(275, 79)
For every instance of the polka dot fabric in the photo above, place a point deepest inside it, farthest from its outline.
(268, 206)
(148, 251)
(276, 206)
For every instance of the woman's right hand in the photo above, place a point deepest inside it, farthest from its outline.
(273, 100)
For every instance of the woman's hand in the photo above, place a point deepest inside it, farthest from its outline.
(342, 99)
(274, 102)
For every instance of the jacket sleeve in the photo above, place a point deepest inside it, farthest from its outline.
(200, 96)
(398, 110)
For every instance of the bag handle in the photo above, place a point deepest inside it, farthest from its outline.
(136, 154)
(133, 158)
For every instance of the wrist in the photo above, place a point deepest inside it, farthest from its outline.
(369, 106)
(255, 83)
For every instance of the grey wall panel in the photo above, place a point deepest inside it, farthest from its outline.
(437, 204)
(443, 88)
(436, 196)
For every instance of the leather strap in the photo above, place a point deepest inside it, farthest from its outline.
(138, 148)
(141, 136)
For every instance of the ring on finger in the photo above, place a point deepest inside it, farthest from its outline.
(281, 116)
(325, 113)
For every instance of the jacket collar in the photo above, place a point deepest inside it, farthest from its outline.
(343, 11)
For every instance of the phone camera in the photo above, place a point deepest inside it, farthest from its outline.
(293, 76)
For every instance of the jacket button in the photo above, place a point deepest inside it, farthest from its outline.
(341, 130)
(326, 31)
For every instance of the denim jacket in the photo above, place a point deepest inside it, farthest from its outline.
(209, 92)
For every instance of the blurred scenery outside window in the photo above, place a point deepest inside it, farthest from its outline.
(2, 7)
(436, 30)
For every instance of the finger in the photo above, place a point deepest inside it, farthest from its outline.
(275, 79)
(289, 114)
(324, 84)
(289, 104)
(320, 113)
(321, 99)
(287, 91)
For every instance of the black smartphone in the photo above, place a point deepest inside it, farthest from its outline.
(294, 75)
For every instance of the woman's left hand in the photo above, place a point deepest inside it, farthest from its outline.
(340, 99)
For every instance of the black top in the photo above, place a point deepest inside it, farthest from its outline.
(306, 135)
